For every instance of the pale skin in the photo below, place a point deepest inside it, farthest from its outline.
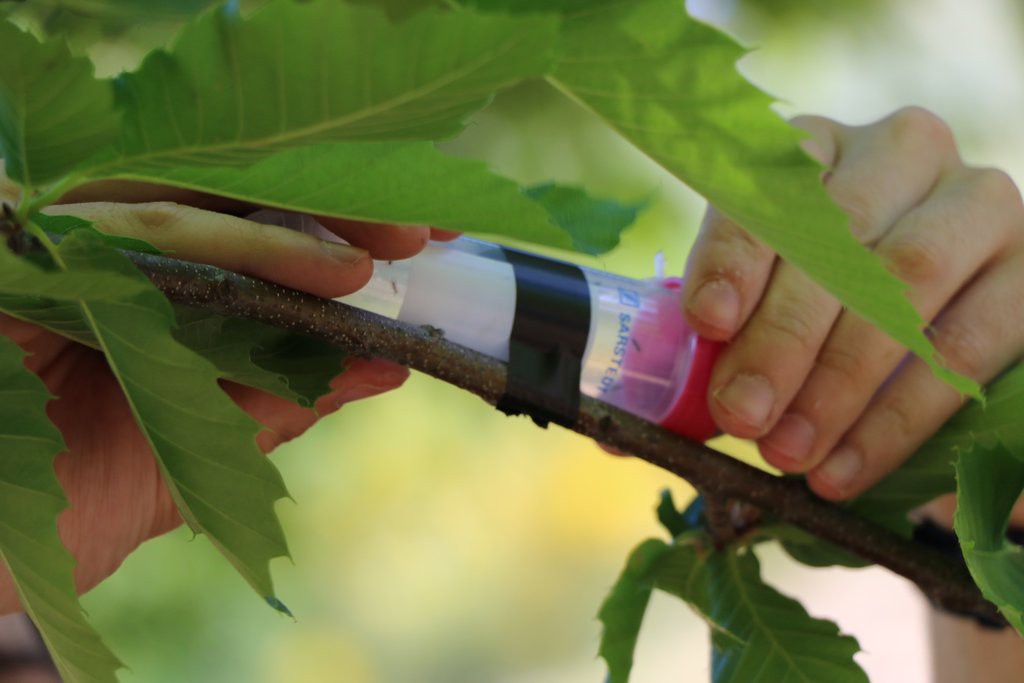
(820, 390)
(825, 394)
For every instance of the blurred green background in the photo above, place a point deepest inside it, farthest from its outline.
(437, 541)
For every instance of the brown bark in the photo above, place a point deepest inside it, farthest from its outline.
(717, 475)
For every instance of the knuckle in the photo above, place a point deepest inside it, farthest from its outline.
(793, 324)
(995, 186)
(917, 124)
(158, 215)
(961, 348)
(728, 253)
(897, 418)
(859, 207)
(730, 237)
(848, 364)
(258, 235)
(915, 260)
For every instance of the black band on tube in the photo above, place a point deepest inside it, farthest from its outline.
(549, 338)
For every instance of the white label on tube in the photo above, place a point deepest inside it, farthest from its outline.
(615, 305)
(471, 299)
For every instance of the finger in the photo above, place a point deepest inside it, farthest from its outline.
(116, 495)
(285, 420)
(383, 241)
(726, 273)
(135, 192)
(290, 258)
(942, 509)
(20, 332)
(823, 141)
(362, 378)
(979, 335)
(886, 168)
(438, 235)
(43, 347)
(880, 172)
(878, 177)
(930, 250)
(758, 374)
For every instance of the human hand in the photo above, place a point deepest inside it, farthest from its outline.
(117, 497)
(821, 390)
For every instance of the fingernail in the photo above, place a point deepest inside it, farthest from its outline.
(842, 467)
(792, 438)
(717, 304)
(344, 254)
(749, 398)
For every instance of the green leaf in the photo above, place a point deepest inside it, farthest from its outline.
(930, 472)
(286, 364)
(595, 225)
(989, 483)
(926, 475)
(623, 610)
(811, 550)
(402, 9)
(782, 642)
(53, 112)
(409, 183)
(283, 363)
(63, 318)
(563, 6)
(231, 90)
(668, 83)
(31, 290)
(20, 276)
(204, 443)
(30, 501)
(671, 568)
(683, 573)
(760, 635)
(674, 520)
(998, 421)
(63, 224)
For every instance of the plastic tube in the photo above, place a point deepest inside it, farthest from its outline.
(640, 355)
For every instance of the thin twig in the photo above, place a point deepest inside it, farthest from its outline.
(719, 476)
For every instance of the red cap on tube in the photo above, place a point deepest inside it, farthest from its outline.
(689, 414)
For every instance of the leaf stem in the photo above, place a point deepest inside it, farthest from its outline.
(720, 522)
(37, 232)
(31, 203)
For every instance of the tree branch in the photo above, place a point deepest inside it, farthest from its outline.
(719, 516)
(719, 476)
